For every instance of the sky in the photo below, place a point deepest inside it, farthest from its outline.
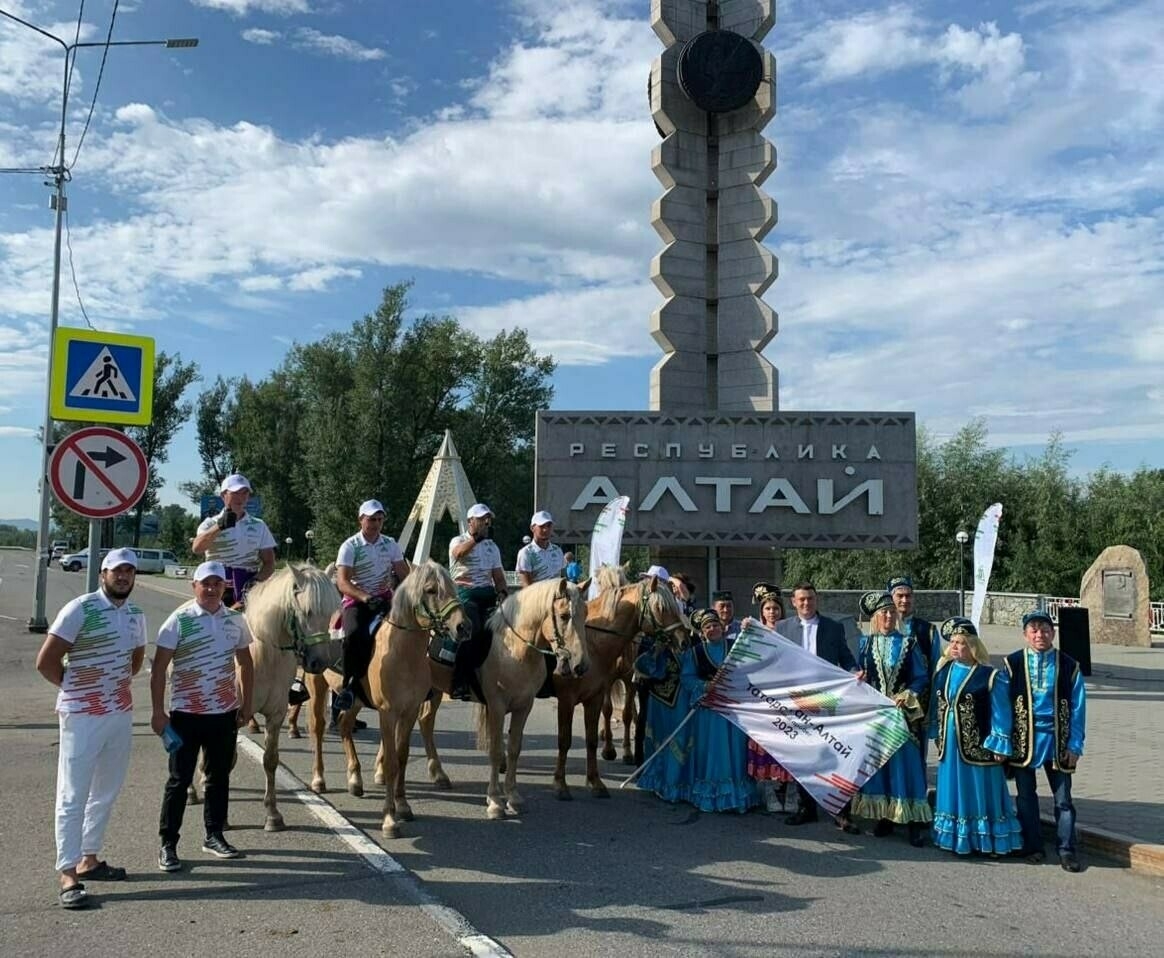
(969, 200)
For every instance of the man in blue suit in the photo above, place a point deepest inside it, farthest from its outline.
(824, 637)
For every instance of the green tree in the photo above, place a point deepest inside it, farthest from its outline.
(176, 531)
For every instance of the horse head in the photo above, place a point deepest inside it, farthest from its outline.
(659, 615)
(427, 602)
(312, 602)
(565, 629)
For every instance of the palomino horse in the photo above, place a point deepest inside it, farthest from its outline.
(543, 620)
(288, 615)
(613, 618)
(399, 679)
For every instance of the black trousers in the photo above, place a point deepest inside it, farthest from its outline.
(358, 642)
(214, 736)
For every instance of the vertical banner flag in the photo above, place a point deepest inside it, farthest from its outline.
(829, 730)
(606, 540)
(984, 541)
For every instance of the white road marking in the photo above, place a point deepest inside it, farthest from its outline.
(451, 920)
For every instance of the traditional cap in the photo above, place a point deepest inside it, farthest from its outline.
(371, 507)
(899, 582)
(1038, 615)
(236, 482)
(658, 571)
(763, 591)
(540, 518)
(700, 618)
(875, 601)
(721, 595)
(115, 557)
(958, 625)
(478, 510)
(208, 569)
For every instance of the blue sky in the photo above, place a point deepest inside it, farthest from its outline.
(969, 199)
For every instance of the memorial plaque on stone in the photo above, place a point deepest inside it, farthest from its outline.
(1119, 594)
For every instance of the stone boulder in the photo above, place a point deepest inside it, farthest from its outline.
(1115, 592)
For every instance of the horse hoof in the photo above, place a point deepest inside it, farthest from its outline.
(293, 732)
(356, 789)
(495, 812)
(599, 791)
(513, 808)
(563, 795)
(390, 831)
(378, 778)
(442, 782)
(609, 753)
(404, 813)
(274, 824)
(319, 786)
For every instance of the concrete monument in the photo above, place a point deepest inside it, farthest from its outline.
(446, 490)
(1115, 592)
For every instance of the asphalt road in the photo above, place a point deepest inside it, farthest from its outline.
(630, 876)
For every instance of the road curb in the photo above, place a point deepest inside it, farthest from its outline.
(1140, 857)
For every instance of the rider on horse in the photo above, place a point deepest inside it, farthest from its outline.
(240, 541)
(365, 568)
(475, 564)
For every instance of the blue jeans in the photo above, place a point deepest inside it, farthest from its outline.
(1027, 805)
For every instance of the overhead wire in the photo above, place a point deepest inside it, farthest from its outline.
(97, 85)
(73, 271)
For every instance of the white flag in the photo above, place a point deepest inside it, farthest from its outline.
(826, 728)
(606, 540)
(984, 541)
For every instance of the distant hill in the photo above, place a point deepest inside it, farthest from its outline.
(29, 525)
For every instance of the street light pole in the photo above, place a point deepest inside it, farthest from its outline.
(962, 537)
(289, 541)
(309, 535)
(38, 622)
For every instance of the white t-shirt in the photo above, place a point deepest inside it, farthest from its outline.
(202, 675)
(370, 562)
(102, 638)
(238, 547)
(541, 563)
(475, 569)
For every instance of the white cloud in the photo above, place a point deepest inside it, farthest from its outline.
(260, 36)
(21, 432)
(345, 48)
(242, 7)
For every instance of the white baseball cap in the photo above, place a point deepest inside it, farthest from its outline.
(541, 518)
(236, 482)
(659, 571)
(115, 557)
(371, 507)
(478, 510)
(208, 569)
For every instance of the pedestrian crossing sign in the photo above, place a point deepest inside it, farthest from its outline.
(102, 377)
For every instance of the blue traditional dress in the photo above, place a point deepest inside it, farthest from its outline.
(657, 668)
(895, 666)
(971, 720)
(706, 763)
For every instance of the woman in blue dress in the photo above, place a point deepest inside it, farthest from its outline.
(706, 764)
(657, 669)
(971, 720)
(894, 665)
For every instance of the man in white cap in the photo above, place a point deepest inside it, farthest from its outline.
(541, 559)
(240, 541)
(366, 567)
(205, 640)
(475, 565)
(104, 637)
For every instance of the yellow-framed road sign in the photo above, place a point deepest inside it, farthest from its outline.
(102, 377)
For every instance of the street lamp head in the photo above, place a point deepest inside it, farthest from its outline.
(181, 43)
(309, 534)
(963, 537)
(288, 540)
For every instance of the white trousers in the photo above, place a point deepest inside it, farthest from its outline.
(91, 767)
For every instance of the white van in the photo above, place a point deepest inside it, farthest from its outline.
(155, 560)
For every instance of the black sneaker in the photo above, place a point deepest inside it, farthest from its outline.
(168, 860)
(343, 700)
(219, 847)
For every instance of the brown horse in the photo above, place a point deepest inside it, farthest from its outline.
(546, 619)
(613, 618)
(398, 683)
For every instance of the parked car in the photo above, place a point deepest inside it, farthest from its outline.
(76, 561)
(59, 548)
(155, 560)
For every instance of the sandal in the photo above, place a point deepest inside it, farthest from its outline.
(74, 897)
(103, 872)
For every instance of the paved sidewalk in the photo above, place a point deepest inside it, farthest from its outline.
(1119, 787)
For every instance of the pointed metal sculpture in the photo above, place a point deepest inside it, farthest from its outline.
(446, 489)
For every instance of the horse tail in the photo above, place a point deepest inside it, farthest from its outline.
(483, 728)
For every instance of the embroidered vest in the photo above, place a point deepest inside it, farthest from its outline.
(1022, 700)
(705, 668)
(894, 678)
(970, 701)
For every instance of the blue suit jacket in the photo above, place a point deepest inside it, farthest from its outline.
(830, 640)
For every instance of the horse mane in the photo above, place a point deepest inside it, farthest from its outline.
(525, 610)
(410, 593)
(296, 584)
(610, 579)
(663, 596)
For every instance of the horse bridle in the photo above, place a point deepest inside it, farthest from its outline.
(438, 620)
(646, 617)
(559, 648)
(301, 640)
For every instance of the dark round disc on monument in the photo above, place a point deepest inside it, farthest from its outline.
(720, 71)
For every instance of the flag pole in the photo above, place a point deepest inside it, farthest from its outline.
(667, 741)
